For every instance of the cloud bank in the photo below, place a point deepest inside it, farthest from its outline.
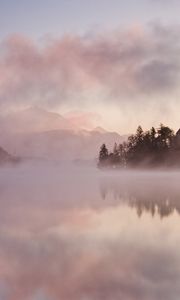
(138, 66)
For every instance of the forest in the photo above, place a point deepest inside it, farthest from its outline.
(153, 148)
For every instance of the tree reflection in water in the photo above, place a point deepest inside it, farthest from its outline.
(156, 194)
(60, 239)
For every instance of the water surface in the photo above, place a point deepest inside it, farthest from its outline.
(78, 233)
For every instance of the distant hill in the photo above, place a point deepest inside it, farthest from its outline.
(60, 144)
(34, 119)
(37, 133)
(100, 129)
(5, 157)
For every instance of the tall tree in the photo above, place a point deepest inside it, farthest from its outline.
(103, 154)
(165, 135)
(139, 134)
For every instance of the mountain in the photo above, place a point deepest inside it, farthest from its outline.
(37, 133)
(34, 119)
(99, 129)
(5, 157)
(61, 144)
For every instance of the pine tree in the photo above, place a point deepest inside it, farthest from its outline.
(103, 154)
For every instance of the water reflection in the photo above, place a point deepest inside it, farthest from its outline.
(146, 192)
(59, 239)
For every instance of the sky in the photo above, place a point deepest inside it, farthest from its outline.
(118, 59)
(56, 17)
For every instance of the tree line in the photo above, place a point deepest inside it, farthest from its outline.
(153, 148)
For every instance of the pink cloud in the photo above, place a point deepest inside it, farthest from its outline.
(85, 120)
(73, 69)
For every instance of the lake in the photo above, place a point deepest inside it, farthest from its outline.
(77, 233)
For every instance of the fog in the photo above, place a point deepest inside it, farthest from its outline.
(75, 232)
(130, 74)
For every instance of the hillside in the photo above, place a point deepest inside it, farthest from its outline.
(38, 133)
(6, 158)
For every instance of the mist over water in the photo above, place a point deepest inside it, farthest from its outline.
(75, 232)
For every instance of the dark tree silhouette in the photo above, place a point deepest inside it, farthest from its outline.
(153, 148)
(103, 155)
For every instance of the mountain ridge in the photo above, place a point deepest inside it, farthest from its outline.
(63, 142)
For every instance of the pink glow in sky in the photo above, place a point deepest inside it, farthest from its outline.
(126, 72)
